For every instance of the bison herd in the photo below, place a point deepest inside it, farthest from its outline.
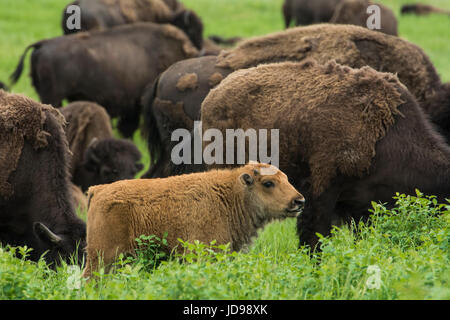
(362, 114)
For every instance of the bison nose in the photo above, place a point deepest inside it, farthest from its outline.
(298, 202)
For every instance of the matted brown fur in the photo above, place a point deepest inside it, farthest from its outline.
(219, 205)
(142, 10)
(187, 81)
(85, 121)
(333, 109)
(215, 79)
(20, 119)
(343, 43)
(178, 34)
(355, 12)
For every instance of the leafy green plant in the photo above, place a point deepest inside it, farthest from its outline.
(150, 251)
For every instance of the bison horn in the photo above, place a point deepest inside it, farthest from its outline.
(93, 142)
(186, 17)
(45, 233)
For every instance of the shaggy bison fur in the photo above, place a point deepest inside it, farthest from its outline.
(103, 14)
(346, 136)
(228, 206)
(169, 107)
(36, 203)
(110, 67)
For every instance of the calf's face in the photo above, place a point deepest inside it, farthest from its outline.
(270, 190)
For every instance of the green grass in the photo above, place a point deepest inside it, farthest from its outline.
(399, 254)
(410, 249)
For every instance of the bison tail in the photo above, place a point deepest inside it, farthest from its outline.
(18, 72)
(224, 41)
(150, 131)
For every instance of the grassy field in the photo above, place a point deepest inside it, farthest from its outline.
(409, 246)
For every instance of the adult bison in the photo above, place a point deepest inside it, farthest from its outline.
(305, 12)
(98, 157)
(174, 102)
(346, 136)
(422, 9)
(36, 201)
(355, 12)
(103, 14)
(175, 99)
(110, 67)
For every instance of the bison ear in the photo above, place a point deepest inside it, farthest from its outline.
(92, 161)
(187, 17)
(45, 234)
(246, 179)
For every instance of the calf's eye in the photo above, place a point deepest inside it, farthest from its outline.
(268, 184)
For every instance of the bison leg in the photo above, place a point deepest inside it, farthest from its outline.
(128, 123)
(318, 217)
(287, 12)
(159, 169)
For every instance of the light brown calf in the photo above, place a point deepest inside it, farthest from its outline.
(224, 205)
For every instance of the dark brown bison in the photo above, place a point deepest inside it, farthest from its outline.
(175, 5)
(355, 12)
(103, 14)
(169, 107)
(36, 204)
(346, 136)
(422, 9)
(98, 157)
(106, 161)
(305, 12)
(110, 67)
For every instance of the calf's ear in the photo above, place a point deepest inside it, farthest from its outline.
(246, 179)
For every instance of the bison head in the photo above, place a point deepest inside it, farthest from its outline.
(107, 161)
(66, 245)
(192, 25)
(269, 192)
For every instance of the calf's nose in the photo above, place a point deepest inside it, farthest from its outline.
(298, 202)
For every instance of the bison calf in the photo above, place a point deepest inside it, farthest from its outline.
(224, 205)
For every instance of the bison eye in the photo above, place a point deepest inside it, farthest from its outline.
(268, 184)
